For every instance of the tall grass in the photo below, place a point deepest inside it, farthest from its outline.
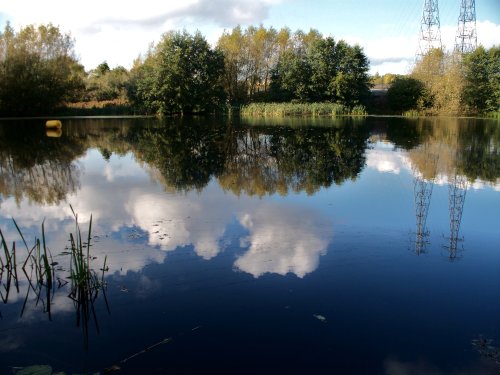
(301, 109)
(412, 113)
(40, 273)
(38, 270)
(85, 281)
(495, 115)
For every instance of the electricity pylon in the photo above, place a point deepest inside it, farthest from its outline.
(466, 38)
(430, 29)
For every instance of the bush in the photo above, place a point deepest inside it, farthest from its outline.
(405, 94)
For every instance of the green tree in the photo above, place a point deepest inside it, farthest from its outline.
(482, 80)
(38, 70)
(250, 57)
(321, 69)
(231, 45)
(405, 93)
(102, 69)
(352, 83)
(182, 74)
(291, 79)
(104, 83)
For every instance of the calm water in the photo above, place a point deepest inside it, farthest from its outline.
(344, 246)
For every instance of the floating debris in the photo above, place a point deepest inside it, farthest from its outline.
(135, 235)
(321, 318)
(164, 341)
(35, 370)
(123, 289)
(111, 369)
(485, 347)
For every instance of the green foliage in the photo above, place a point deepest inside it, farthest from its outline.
(104, 83)
(405, 93)
(325, 71)
(291, 79)
(182, 74)
(460, 84)
(298, 109)
(385, 80)
(250, 56)
(267, 65)
(38, 70)
(482, 80)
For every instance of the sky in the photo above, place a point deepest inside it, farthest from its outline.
(120, 31)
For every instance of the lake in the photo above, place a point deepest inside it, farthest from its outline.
(250, 246)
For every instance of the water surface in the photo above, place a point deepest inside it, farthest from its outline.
(363, 246)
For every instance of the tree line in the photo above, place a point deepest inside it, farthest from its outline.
(182, 73)
(450, 83)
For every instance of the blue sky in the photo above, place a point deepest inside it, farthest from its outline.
(118, 31)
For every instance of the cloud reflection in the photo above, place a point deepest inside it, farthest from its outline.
(386, 160)
(173, 221)
(136, 223)
(283, 240)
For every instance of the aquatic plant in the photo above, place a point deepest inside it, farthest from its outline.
(301, 109)
(486, 349)
(85, 281)
(40, 274)
(38, 270)
(411, 113)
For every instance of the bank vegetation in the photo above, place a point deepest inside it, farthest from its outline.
(257, 70)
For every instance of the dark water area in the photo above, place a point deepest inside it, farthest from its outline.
(250, 246)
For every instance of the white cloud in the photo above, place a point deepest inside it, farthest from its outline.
(396, 53)
(119, 32)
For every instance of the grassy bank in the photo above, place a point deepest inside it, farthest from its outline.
(301, 109)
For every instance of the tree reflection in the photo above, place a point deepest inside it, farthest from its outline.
(478, 151)
(35, 166)
(274, 159)
(254, 160)
(467, 147)
(187, 153)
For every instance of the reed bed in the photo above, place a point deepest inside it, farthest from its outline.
(39, 270)
(86, 283)
(301, 109)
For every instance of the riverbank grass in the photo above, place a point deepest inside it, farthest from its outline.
(301, 109)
